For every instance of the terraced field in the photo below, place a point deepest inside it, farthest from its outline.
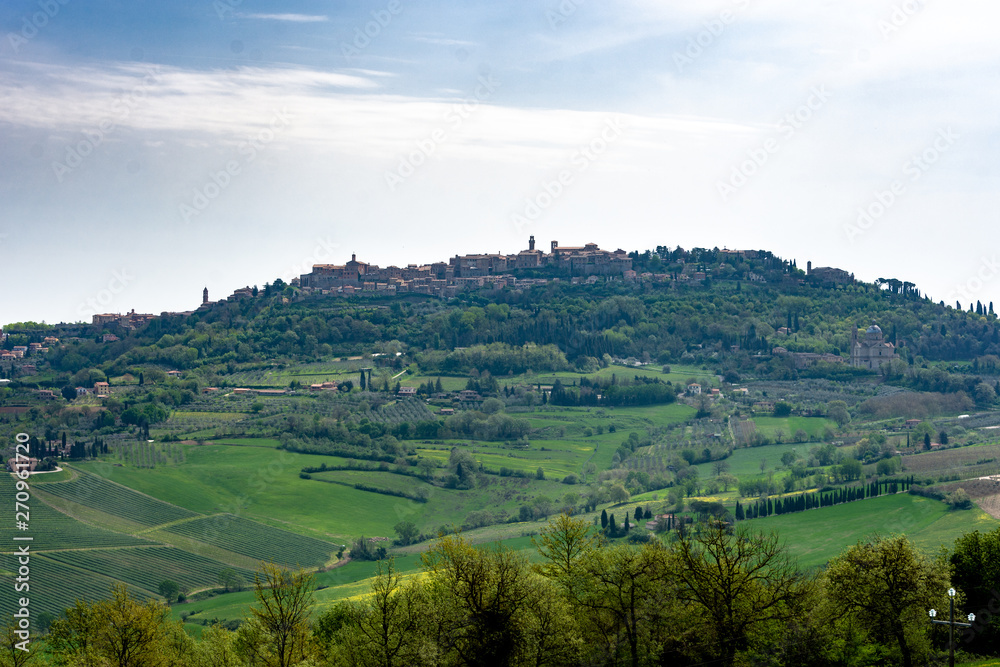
(146, 567)
(256, 540)
(117, 500)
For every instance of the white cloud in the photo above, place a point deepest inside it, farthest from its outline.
(293, 18)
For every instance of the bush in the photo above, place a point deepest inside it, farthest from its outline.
(570, 479)
(959, 500)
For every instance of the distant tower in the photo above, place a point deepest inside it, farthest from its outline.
(531, 243)
(809, 268)
(555, 244)
(204, 297)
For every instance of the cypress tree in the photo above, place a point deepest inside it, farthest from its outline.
(612, 529)
(638, 514)
(604, 519)
(740, 515)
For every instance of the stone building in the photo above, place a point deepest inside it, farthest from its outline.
(870, 351)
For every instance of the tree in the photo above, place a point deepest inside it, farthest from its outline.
(621, 592)
(728, 480)
(927, 440)
(837, 411)
(744, 584)
(563, 543)
(407, 532)
(618, 493)
(888, 586)
(283, 602)
(489, 608)
(604, 519)
(10, 653)
(540, 473)
(231, 580)
(720, 467)
(169, 590)
(782, 409)
(387, 628)
(68, 392)
(975, 569)
(943, 438)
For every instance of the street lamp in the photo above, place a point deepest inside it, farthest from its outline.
(952, 624)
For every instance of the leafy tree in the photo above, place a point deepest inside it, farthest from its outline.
(621, 594)
(407, 532)
(837, 411)
(283, 601)
(744, 584)
(68, 392)
(563, 543)
(169, 590)
(231, 580)
(887, 585)
(782, 409)
(491, 609)
(386, 629)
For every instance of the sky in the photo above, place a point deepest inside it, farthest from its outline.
(151, 149)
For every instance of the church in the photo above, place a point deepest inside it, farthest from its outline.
(871, 351)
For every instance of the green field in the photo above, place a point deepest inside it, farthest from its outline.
(816, 536)
(746, 460)
(814, 426)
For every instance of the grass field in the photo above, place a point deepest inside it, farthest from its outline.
(746, 460)
(814, 426)
(816, 536)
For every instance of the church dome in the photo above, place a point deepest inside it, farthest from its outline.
(874, 329)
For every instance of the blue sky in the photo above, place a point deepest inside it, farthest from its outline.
(152, 148)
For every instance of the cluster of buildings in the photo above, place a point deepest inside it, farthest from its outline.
(130, 320)
(466, 272)
(869, 351)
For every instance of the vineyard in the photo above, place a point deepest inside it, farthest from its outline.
(146, 567)
(961, 462)
(249, 538)
(54, 530)
(117, 500)
(55, 586)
